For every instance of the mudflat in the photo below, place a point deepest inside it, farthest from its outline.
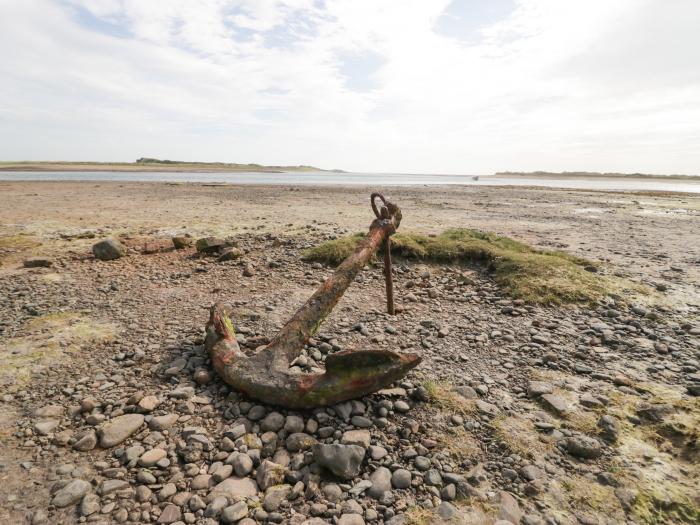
(583, 412)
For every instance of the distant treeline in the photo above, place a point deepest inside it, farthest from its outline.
(594, 174)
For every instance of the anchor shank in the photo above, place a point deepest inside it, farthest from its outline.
(290, 340)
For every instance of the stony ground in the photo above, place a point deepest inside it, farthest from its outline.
(519, 413)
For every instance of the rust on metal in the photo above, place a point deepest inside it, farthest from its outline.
(351, 373)
(385, 213)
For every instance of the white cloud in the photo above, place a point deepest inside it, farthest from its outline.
(556, 84)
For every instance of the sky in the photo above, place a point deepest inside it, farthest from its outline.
(415, 86)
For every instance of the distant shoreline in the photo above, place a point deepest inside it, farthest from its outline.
(590, 175)
(155, 167)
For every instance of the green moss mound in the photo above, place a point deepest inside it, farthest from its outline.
(536, 276)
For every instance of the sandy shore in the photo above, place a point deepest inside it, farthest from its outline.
(579, 414)
(642, 235)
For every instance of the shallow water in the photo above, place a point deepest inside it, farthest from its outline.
(355, 179)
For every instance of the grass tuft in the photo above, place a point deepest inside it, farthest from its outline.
(536, 276)
(333, 252)
(656, 508)
(445, 397)
(16, 244)
(520, 436)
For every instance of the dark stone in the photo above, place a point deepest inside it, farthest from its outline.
(210, 245)
(342, 460)
(610, 428)
(108, 250)
(655, 412)
(230, 254)
(181, 242)
(38, 262)
(584, 447)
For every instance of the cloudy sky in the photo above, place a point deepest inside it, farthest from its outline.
(463, 86)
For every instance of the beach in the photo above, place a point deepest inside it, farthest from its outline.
(505, 408)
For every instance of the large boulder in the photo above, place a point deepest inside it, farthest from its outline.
(108, 250)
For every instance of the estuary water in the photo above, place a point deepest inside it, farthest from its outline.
(357, 179)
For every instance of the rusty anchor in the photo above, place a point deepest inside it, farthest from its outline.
(349, 374)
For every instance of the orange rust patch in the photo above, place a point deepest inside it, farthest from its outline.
(306, 382)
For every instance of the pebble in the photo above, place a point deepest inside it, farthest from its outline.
(356, 437)
(401, 479)
(119, 429)
(234, 513)
(381, 482)
(71, 494)
(153, 456)
(583, 447)
(170, 514)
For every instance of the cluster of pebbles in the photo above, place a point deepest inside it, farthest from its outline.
(138, 429)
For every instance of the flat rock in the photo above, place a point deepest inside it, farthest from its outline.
(119, 429)
(200, 481)
(112, 485)
(356, 437)
(71, 494)
(486, 408)
(162, 422)
(351, 519)
(538, 388)
(209, 244)
(236, 488)
(234, 513)
(466, 392)
(49, 411)
(170, 514)
(149, 403)
(183, 392)
(555, 404)
(37, 262)
(153, 456)
(45, 426)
